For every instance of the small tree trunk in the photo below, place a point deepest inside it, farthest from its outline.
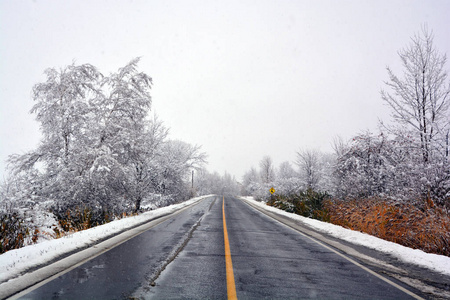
(137, 204)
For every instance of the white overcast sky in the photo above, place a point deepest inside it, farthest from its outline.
(242, 78)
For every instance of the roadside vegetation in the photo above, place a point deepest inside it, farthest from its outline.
(394, 184)
(309, 204)
(425, 227)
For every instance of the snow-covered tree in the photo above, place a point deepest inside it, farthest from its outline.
(100, 150)
(328, 163)
(420, 100)
(310, 168)
(288, 181)
(204, 182)
(122, 113)
(286, 171)
(62, 107)
(267, 170)
(229, 185)
(419, 103)
(362, 170)
(250, 182)
(176, 161)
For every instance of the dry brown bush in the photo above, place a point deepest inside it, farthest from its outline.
(426, 227)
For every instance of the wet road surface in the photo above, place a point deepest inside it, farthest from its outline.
(118, 273)
(269, 261)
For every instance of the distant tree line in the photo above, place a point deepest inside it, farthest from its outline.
(213, 183)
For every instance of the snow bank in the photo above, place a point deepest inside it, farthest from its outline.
(15, 262)
(439, 263)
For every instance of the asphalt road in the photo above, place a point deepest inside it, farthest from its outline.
(184, 257)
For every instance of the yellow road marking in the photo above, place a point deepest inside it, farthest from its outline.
(231, 287)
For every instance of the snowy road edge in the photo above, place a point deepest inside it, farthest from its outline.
(434, 262)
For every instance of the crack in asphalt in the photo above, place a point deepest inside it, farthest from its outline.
(212, 203)
(152, 279)
(175, 253)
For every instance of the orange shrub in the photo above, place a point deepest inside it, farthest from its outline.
(426, 228)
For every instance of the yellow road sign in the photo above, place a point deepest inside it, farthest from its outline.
(272, 190)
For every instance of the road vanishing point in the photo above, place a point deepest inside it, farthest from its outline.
(228, 248)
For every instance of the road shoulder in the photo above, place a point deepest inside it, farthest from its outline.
(429, 282)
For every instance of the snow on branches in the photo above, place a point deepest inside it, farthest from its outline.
(100, 154)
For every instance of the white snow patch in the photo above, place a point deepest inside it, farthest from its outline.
(15, 262)
(439, 263)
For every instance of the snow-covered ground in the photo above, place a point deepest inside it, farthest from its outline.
(15, 262)
(439, 263)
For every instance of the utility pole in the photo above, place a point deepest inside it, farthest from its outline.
(446, 143)
(192, 179)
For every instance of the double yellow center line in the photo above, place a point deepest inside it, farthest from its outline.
(231, 287)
